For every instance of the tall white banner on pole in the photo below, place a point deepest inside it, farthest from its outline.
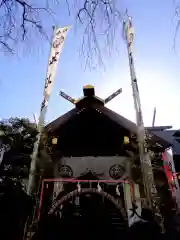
(56, 49)
(2, 151)
(58, 39)
(145, 160)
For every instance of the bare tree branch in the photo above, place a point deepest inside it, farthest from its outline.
(68, 7)
(98, 19)
(177, 16)
(17, 18)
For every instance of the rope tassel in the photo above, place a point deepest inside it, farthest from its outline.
(79, 187)
(117, 190)
(99, 187)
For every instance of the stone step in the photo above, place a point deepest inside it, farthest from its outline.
(119, 224)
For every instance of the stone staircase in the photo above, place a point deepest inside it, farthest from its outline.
(30, 231)
(119, 222)
(120, 225)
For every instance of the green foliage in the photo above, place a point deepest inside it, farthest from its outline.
(18, 133)
(18, 136)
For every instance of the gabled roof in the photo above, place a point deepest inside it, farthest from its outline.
(120, 120)
(91, 101)
(57, 123)
(177, 133)
(159, 139)
(159, 128)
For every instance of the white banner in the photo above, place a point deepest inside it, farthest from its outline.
(129, 33)
(133, 214)
(145, 160)
(56, 49)
(2, 151)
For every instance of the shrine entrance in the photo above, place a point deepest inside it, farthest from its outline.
(83, 213)
(84, 216)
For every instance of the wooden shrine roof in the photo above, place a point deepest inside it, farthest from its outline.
(91, 101)
(120, 120)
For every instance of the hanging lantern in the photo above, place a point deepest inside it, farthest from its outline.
(54, 141)
(126, 140)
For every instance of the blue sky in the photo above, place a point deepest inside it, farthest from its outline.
(157, 67)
